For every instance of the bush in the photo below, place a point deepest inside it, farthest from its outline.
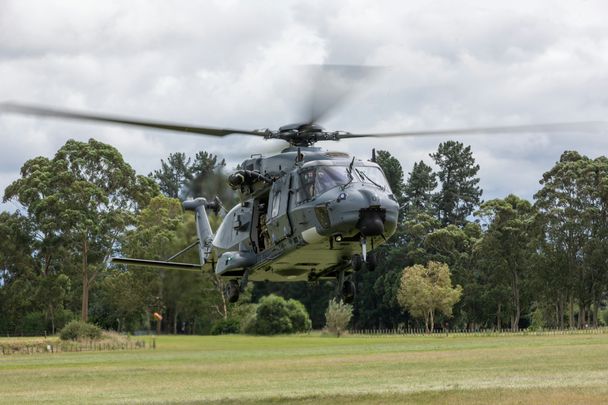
(226, 327)
(77, 330)
(274, 316)
(248, 319)
(34, 323)
(602, 317)
(338, 316)
(537, 320)
(300, 321)
(62, 317)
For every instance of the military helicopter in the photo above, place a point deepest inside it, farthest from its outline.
(306, 214)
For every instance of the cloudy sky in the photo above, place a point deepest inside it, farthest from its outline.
(236, 64)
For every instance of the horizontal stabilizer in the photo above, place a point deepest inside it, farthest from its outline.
(157, 264)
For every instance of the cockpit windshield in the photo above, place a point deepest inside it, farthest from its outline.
(373, 175)
(317, 180)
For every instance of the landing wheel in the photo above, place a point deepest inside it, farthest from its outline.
(231, 291)
(357, 262)
(348, 291)
(371, 262)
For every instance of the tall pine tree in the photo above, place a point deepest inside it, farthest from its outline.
(460, 193)
(418, 190)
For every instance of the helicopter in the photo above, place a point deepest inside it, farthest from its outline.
(306, 214)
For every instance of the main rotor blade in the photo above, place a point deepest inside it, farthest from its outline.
(333, 85)
(586, 126)
(84, 116)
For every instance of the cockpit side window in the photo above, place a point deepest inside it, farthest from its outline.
(316, 181)
(307, 185)
(329, 177)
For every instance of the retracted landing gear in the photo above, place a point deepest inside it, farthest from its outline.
(348, 291)
(356, 262)
(232, 291)
(233, 288)
(370, 263)
(345, 288)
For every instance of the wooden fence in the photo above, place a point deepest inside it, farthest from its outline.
(9, 348)
(477, 332)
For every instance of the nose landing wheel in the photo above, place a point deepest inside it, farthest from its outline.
(369, 259)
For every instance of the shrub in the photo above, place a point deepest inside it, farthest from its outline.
(34, 323)
(248, 319)
(337, 316)
(274, 315)
(300, 321)
(226, 326)
(537, 320)
(77, 330)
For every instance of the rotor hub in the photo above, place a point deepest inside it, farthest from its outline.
(303, 134)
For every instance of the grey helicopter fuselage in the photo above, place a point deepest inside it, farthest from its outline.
(307, 219)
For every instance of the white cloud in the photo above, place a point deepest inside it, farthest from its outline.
(231, 64)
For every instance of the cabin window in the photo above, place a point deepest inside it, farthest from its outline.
(307, 185)
(276, 203)
(373, 175)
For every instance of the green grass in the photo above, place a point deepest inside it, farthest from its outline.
(312, 369)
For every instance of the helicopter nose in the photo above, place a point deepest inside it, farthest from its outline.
(371, 219)
(370, 196)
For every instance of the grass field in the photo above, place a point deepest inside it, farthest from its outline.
(314, 369)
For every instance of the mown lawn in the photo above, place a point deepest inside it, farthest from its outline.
(315, 369)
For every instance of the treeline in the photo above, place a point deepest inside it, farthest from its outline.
(520, 263)
(541, 264)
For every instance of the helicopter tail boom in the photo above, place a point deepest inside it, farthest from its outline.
(203, 228)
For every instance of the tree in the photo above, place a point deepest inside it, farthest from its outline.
(596, 218)
(560, 205)
(338, 316)
(162, 229)
(459, 193)
(82, 200)
(506, 248)
(181, 177)
(393, 171)
(573, 214)
(16, 270)
(175, 175)
(427, 289)
(419, 188)
(204, 170)
(25, 262)
(121, 300)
